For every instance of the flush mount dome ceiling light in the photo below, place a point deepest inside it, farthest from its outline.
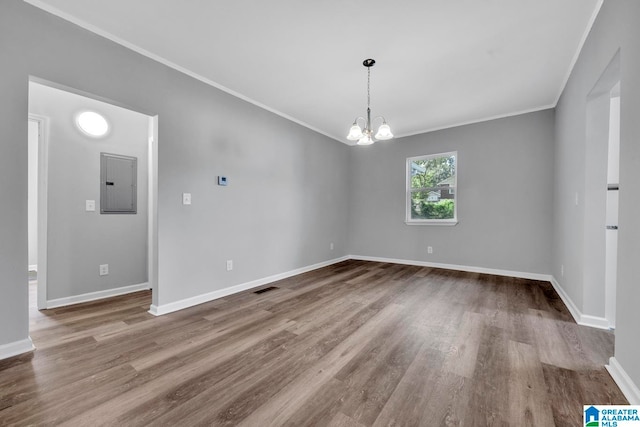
(92, 124)
(364, 135)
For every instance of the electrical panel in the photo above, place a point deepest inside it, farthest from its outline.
(118, 184)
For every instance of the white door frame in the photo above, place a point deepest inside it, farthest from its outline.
(611, 242)
(152, 221)
(43, 170)
(43, 183)
(598, 118)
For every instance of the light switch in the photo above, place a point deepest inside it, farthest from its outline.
(186, 198)
(90, 205)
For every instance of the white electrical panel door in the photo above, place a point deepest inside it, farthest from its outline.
(118, 184)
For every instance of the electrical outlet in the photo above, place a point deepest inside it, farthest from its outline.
(229, 265)
(429, 249)
(186, 198)
(104, 269)
(331, 246)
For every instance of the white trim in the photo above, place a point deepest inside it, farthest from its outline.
(15, 348)
(96, 30)
(474, 121)
(152, 223)
(43, 201)
(585, 35)
(444, 222)
(624, 381)
(578, 316)
(594, 322)
(573, 309)
(159, 310)
(90, 27)
(33, 267)
(92, 296)
(581, 319)
(471, 269)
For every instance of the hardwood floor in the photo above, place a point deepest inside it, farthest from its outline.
(354, 344)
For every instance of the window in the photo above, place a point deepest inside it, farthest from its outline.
(431, 189)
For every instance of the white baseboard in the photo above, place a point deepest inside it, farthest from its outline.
(33, 267)
(624, 381)
(573, 309)
(16, 348)
(92, 296)
(470, 269)
(594, 322)
(578, 316)
(159, 310)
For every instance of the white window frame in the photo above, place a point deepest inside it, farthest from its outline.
(408, 191)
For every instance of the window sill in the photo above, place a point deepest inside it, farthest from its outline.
(441, 222)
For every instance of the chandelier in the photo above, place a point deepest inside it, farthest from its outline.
(365, 136)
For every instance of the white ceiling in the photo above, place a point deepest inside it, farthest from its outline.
(440, 63)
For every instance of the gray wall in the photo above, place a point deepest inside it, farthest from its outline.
(616, 28)
(79, 241)
(505, 170)
(287, 197)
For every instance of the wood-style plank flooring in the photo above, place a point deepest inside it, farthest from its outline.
(354, 344)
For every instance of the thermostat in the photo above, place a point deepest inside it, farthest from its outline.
(222, 180)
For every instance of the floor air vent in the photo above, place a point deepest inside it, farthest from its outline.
(261, 291)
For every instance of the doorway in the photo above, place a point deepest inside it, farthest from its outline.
(37, 209)
(602, 192)
(72, 236)
(32, 167)
(613, 187)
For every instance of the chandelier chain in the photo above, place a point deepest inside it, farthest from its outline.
(368, 87)
(364, 133)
